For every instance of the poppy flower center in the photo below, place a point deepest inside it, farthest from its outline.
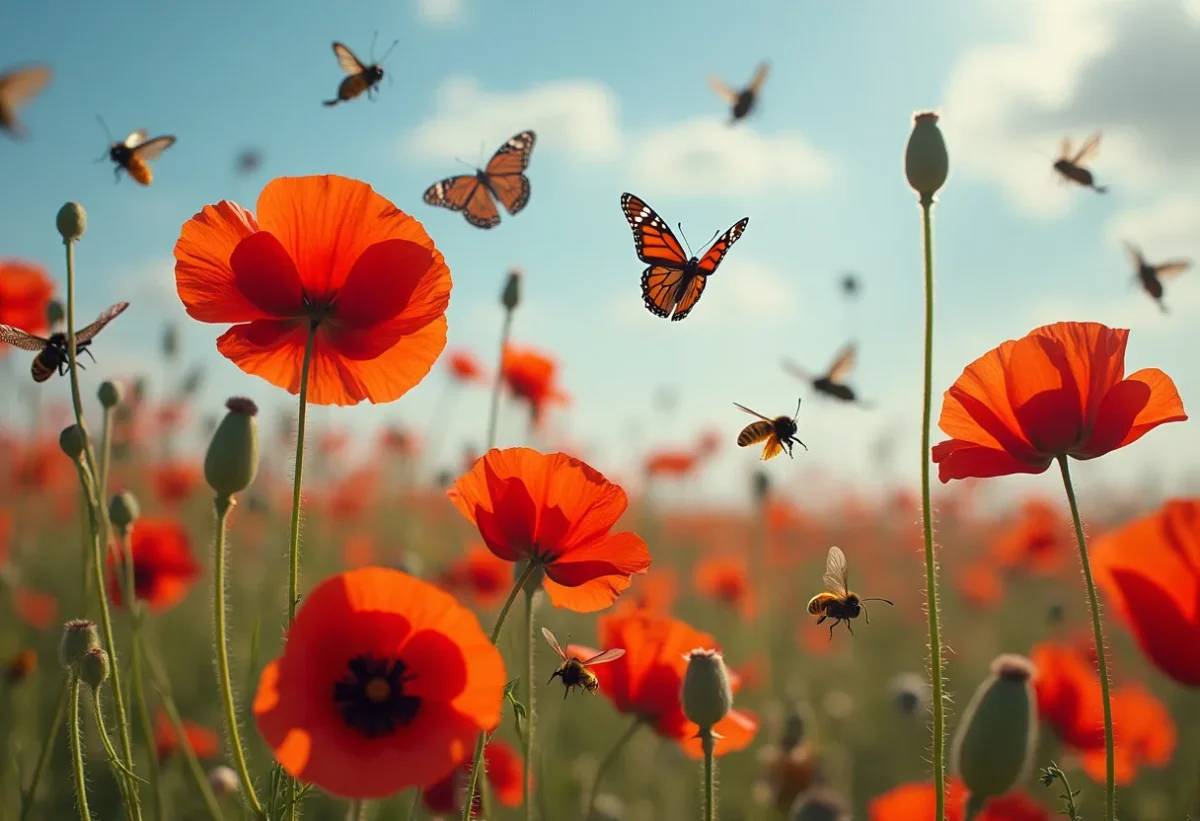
(318, 308)
(371, 695)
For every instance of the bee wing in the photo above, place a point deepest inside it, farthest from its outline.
(97, 326)
(1087, 150)
(835, 572)
(1172, 267)
(136, 138)
(1065, 149)
(752, 413)
(19, 339)
(605, 657)
(19, 85)
(760, 76)
(1135, 255)
(151, 150)
(554, 643)
(772, 448)
(843, 363)
(722, 90)
(796, 371)
(346, 59)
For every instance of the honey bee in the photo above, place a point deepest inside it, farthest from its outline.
(838, 602)
(17, 87)
(53, 352)
(832, 383)
(363, 77)
(135, 153)
(742, 101)
(1071, 167)
(575, 673)
(779, 433)
(1150, 276)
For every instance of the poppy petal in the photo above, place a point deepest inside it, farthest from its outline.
(736, 730)
(957, 459)
(266, 275)
(1143, 401)
(1166, 633)
(393, 277)
(203, 276)
(618, 554)
(592, 595)
(977, 407)
(1093, 355)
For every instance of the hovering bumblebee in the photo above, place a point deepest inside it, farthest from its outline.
(53, 352)
(1150, 276)
(742, 100)
(1071, 168)
(363, 77)
(779, 433)
(17, 87)
(575, 673)
(838, 602)
(135, 153)
(832, 383)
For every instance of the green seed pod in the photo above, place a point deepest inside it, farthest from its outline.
(71, 221)
(56, 314)
(94, 667)
(123, 511)
(73, 442)
(110, 394)
(707, 694)
(232, 459)
(78, 637)
(926, 163)
(994, 745)
(511, 297)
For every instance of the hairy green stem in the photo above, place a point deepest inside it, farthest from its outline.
(531, 712)
(494, 409)
(29, 796)
(111, 751)
(106, 433)
(710, 780)
(77, 751)
(609, 759)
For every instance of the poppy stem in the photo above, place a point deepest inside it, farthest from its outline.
(494, 409)
(606, 765)
(106, 432)
(29, 797)
(77, 750)
(530, 671)
(1110, 789)
(931, 590)
(294, 543)
(708, 743)
(223, 505)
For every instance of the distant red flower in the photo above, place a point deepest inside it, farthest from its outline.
(1144, 734)
(354, 494)
(38, 610)
(980, 585)
(918, 802)
(480, 575)
(654, 592)
(531, 376)
(332, 441)
(1150, 569)
(174, 482)
(465, 368)
(6, 531)
(726, 579)
(709, 443)
(25, 292)
(673, 463)
(400, 442)
(1037, 542)
(41, 466)
(558, 512)
(502, 769)
(203, 741)
(1058, 390)
(164, 569)
(646, 681)
(358, 550)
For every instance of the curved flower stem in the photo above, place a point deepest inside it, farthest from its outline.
(106, 740)
(494, 410)
(609, 759)
(106, 433)
(1110, 793)
(28, 798)
(531, 712)
(931, 591)
(710, 780)
(77, 750)
(294, 542)
(357, 811)
(223, 505)
(415, 806)
(138, 687)
(477, 760)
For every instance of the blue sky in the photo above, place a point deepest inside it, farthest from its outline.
(618, 96)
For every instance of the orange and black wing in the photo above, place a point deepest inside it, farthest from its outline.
(710, 261)
(346, 59)
(506, 172)
(652, 237)
(661, 288)
(96, 327)
(20, 339)
(467, 194)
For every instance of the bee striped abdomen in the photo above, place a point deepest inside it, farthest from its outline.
(819, 602)
(139, 170)
(41, 368)
(754, 432)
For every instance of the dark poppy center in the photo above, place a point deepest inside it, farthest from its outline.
(371, 695)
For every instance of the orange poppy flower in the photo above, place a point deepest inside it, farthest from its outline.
(646, 681)
(654, 592)
(1144, 735)
(726, 579)
(465, 368)
(163, 566)
(326, 253)
(673, 463)
(1150, 569)
(530, 376)
(1036, 542)
(38, 610)
(397, 441)
(480, 575)
(918, 801)
(203, 741)
(384, 683)
(25, 292)
(1059, 390)
(503, 771)
(358, 550)
(980, 585)
(174, 482)
(6, 531)
(556, 511)
(41, 466)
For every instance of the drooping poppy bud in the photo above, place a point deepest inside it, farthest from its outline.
(94, 667)
(73, 442)
(110, 394)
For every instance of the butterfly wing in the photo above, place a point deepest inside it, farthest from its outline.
(760, 77)
(136, 138)
(1172, 267)
(96, 327)
(506, 171)
(843, 364)
(690, 296)
(835, 572)
(710, 261)
(722, 90)
(346, 59)
(605, 657)
(554, 643)
(660, 289)
(20, 339)
(1088, 150)
(16, 88)
(652, 237)
(151, 150)
(467, 194)
(1064, 150)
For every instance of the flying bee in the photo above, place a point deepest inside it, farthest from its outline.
(1071, 167)
(17, 87)
(779, 433)
(52, 353)
(832, 383)
(742, 101)
(362, 77)
(850, 285)
(575, 673)
(1150, 276)
(837, 602)
(135, 153)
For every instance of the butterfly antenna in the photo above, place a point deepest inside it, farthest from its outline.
(679, 225)
(464, 162)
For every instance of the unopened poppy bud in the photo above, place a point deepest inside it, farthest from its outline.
(223, 781)
(94, 667)
(926, 163)
(78, 637)
(56, 314)
(123, 511)
(707, 694)
(994, 744)
(818, 805)
(511, 297)
(170, 341)
(21, 666)
(760, 486)
(110, 394)
(71, 221)
(73, 442)
(232, 459)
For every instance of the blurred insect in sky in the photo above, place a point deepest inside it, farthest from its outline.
(503, 180)
(248, 161)
(53, 353)
(575, 673)
(673, 283)
(838, 602)
(742, 101)
(1150, 276)
(850, 285)
(135, 154)
(832, 383)
(1071, 167)
(779, 433)
(18, 87)
(362, 77)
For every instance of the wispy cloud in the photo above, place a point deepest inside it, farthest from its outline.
(440, 12)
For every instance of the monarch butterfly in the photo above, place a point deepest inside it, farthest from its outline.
(363, 77)
(504, 180)
(832, 383)
(53, 352)
(741, 100)
(1071, 167)
(135, 153)
(1150, 276)
(673, 283)
(17, 87)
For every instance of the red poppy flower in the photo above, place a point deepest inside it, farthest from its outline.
(1059, 390)
(646, 681)
(673, 463)
(481, 575)
(726, 579)
(503, 771)
(1150, 569)
(556, 511)
(384, 683)
(25, 292)
(174, 481)
(163, 566)
(1144, 734)
(400, 442)
(358, 550)
(530, 376)
(41, 466)
(918, 801)
(326, 253)
(203, 741)
(1036, 542)
(465, 368)
(6, 531)
(980, 585)
(38, 610)
(654, 592)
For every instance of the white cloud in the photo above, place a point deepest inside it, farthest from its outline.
(1169, 226)
(440, 12)
(709, 156)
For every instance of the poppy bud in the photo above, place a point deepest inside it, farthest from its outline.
(511, 297)
(995, 741)
(110, 394)
(94, 667)
(192, 381)
(73, 442)
(170, 341)
(21, 666)
(232, 459)
(926, 163)
(707, 694)
(760, 486)
(123, 511)
(78, 637)
(818, 806)
(55, 313)
(71, 221)
(223, 781)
